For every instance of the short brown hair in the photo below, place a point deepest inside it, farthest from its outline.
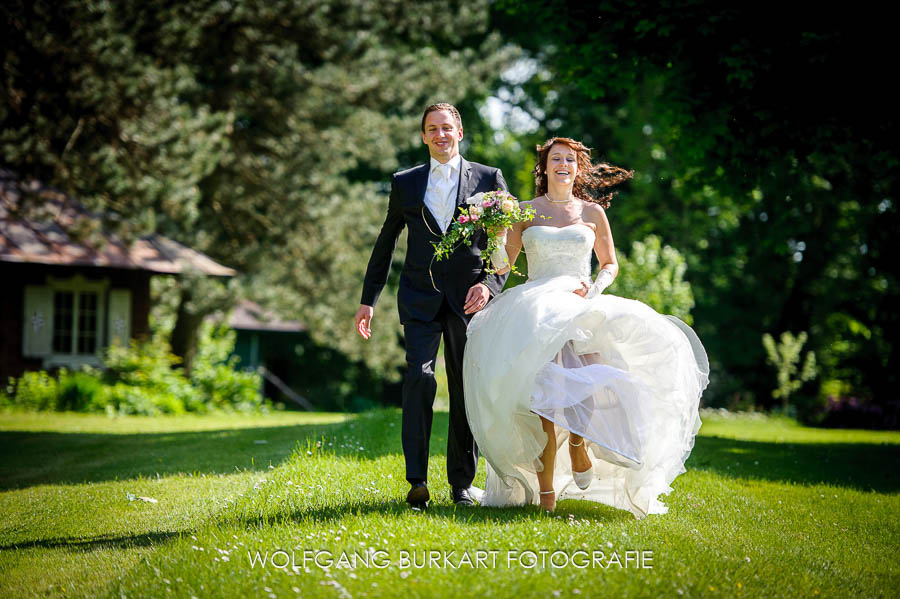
(442, 106)
(594, 182)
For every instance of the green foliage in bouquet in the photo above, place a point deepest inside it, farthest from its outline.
(493, 211)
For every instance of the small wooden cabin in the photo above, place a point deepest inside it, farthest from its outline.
(64, 299)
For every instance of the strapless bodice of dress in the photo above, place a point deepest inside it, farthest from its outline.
(558, 251)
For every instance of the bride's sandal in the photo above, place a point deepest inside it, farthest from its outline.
(582, 479)
(550, 504)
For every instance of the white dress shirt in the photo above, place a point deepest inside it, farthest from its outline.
(440, 194)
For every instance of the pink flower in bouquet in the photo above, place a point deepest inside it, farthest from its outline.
(475, 212)
(463, 218)
(488, 204)
(473, 217)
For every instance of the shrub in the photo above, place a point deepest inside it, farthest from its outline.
(145, 379)
(654, 274)
(785, 357)
(840, 406)
(34, 391)
(80, 391)
(142, 364)
(223, 387)
(217, 377)
(852, 412)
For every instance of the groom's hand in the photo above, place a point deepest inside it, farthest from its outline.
(477, 298)
(364, 321)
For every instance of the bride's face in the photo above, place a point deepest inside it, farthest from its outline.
(562, 165)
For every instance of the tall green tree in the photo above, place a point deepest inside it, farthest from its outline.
(261, 133)
(762, 143)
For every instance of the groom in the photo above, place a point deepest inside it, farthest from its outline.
(435, 298)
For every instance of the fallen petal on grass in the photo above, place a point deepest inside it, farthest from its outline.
(133, 497)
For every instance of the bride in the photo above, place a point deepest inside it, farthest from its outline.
(553, 362)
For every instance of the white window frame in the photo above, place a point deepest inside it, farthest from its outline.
(76, 285)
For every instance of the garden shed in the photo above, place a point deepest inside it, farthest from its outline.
(70, 288)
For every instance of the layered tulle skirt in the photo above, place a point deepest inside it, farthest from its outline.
(612, 370)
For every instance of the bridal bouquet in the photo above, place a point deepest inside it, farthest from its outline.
(493, 211)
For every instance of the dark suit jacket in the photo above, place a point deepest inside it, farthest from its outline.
(425, 282)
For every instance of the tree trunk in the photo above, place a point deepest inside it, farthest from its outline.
(184, 335)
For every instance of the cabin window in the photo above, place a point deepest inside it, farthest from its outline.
(75, 322)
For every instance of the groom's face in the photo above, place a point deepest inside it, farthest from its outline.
(441, 135)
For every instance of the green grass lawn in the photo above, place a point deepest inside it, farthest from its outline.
(767, 508)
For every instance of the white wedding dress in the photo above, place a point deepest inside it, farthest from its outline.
(610, 369)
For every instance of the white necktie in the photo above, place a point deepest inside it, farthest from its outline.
(443, 188)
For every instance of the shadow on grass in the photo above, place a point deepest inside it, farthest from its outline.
(438, 510)
(28, 458)
(149, 539)
(861, 466)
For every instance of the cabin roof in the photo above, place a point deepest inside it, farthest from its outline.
(250, 316)
(57, 227)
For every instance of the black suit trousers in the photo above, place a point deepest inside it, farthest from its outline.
(423, 339)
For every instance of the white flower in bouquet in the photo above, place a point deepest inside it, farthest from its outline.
(476, 199)
(476, 211)
(507, 206)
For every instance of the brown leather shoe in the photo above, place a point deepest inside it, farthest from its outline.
(418, 496)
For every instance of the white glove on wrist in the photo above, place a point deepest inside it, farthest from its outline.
(499, 257)
(604, 279)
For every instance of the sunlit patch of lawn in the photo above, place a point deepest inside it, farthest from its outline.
(766, 508)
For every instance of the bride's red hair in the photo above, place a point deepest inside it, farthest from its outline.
(593, 182)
